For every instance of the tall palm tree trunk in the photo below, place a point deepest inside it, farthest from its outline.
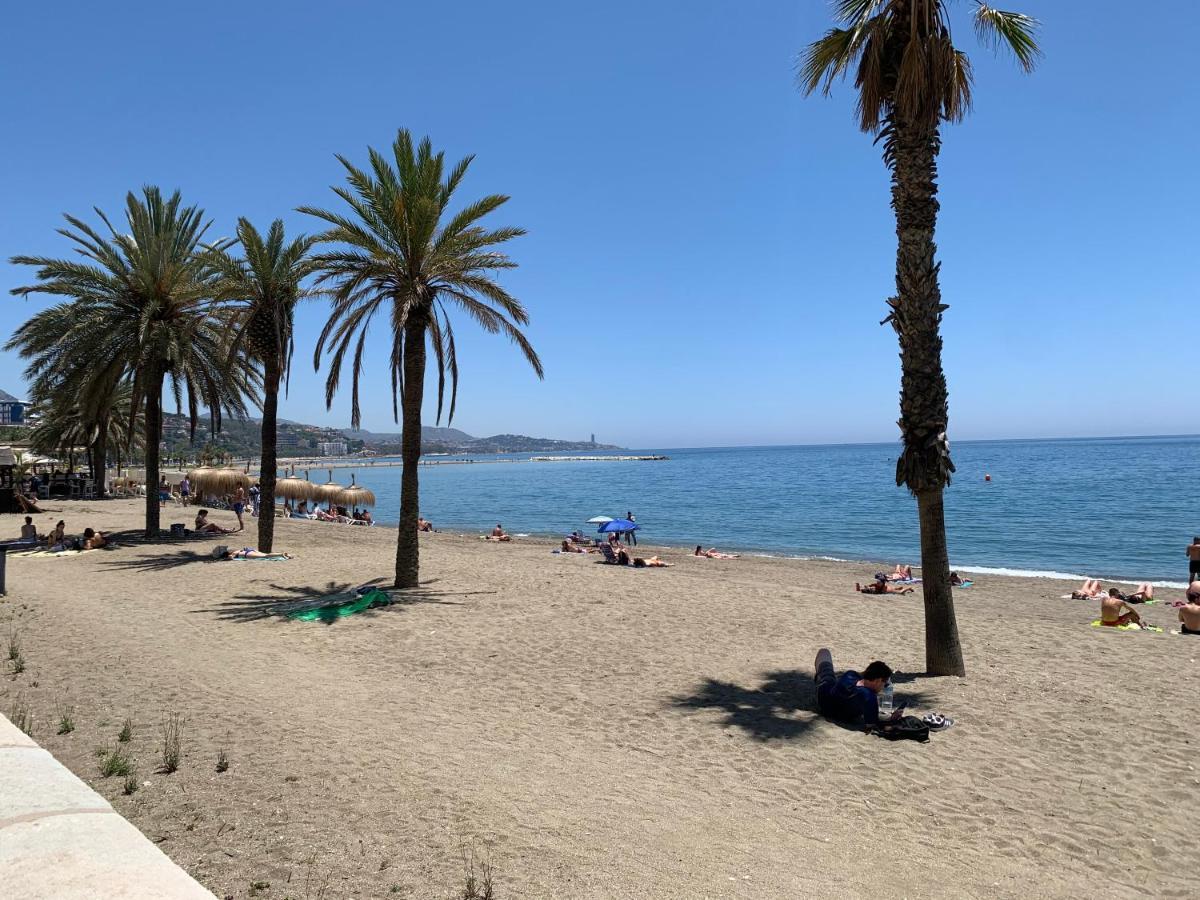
(99, 458)
(408, 551)
(270, 461)
(924, 465)
(154, 388)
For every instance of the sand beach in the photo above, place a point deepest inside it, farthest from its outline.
(598, 732)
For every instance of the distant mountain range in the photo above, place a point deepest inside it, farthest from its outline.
(451, 440)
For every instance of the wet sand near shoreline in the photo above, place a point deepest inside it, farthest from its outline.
(602, 732)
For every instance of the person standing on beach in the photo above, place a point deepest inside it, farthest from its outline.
(255, 499)
(1193, 555)
(631, 536)
(239, 506)
(185, 489)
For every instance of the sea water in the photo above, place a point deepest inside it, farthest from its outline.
(1112, 508)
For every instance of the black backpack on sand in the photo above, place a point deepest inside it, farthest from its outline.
(906, 728)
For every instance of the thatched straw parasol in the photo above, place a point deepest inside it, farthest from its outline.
(330, 491)
(228, 479)
(293, 488)
(357, 495)
(204, 481)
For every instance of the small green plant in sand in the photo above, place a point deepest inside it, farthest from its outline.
(477, 885)
(130, 785)
(21, 715)
(14, 644)
(66, 719)
(172, 747)
(116, 762)
(126, 733)
(222, 761)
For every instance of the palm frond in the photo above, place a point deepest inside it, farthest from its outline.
(1016, 31)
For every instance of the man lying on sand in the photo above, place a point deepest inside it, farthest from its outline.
(881, 586)
(1143, 594)
(1189, 613)
(1111, 612)
(206, 527)
(714, 553)
(1089, 590)
(901, 573)
(247, 553)
(851, 698)
(639, 562)
(568, 547)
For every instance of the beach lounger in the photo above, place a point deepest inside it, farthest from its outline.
(610, 555)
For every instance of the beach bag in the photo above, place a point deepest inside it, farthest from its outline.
(906, 728)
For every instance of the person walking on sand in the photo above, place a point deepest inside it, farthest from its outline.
(1193, 555)
(239, 506)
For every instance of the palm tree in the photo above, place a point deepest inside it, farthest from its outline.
(406, 257)
(97, 419)
(268, 283)
(910, 78)
(143, 305)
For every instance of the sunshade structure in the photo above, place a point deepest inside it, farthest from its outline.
(293, 488)
(329, 492)
(206, 480)
(357, 495)
(618, 525)
(599, 520)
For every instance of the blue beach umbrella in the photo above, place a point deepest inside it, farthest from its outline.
(618, 525)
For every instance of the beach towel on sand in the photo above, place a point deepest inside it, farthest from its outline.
(342, 605)
(1130, 627)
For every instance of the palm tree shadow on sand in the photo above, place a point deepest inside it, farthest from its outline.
(286, 600)
(783, 707)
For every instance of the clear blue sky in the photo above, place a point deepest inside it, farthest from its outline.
(708, 251)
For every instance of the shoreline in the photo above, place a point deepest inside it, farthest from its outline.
(552, 541)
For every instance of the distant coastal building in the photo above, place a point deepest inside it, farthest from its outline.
(332, 448)
(12, 410)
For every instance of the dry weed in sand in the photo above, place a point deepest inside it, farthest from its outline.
(66, 719)
(172, 728)
(20, 714)
(126, 733)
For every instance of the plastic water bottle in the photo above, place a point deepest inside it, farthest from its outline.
(886, 699)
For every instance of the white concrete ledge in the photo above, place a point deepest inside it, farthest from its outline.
(59, 838)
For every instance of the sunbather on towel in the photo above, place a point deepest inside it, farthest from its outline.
(1089, 590)
(1111, 612)
(1144, 593)
(247, 553)
(57, 539)
(498, 534)
(957, 581)
(568, 547)
(880, 586)
(639, 562)
(714, 553)
(901, 573)
(29, 530)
